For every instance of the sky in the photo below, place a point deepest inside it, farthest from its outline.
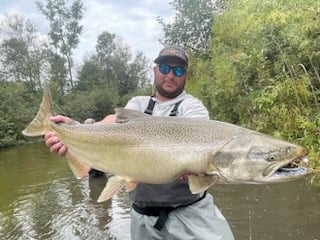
(132, 20)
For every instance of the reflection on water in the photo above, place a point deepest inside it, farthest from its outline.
(41, 199)
(289, 211)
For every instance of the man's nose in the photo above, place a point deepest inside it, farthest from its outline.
(170, 73)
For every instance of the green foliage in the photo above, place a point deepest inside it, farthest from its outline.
(114, 65)
(262, 69)
(265, 65)
(191, 26)
(96, 103)
(58, 72)
(18, 105)
(199, 82)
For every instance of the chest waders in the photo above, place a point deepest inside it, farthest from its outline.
(161, 212)
(173, 113)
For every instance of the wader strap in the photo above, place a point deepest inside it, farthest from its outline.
(149, 109)
(161, 212)
(174, 111)
(163, 217)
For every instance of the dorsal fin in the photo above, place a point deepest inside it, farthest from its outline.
(124, 115)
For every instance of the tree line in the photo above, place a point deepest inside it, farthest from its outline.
(255, 64)
(107, 78)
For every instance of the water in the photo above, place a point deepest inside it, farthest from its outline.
(41, 199)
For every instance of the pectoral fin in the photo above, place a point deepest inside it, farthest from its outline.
(198, 184)
(78, 168)
(114, 185)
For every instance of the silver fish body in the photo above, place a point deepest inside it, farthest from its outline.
(157, 150)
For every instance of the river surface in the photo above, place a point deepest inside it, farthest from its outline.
(41, 199)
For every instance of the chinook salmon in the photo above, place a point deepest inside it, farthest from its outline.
(157, 150)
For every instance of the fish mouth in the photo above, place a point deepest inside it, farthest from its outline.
(288, 170)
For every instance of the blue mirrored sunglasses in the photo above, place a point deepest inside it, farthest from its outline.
(177, 70)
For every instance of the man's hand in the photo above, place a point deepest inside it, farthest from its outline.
(51, 139)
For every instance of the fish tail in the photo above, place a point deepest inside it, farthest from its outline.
(41, 124)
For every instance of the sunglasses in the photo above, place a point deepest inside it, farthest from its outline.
(178, 71)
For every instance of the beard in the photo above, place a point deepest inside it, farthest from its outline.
(171, 94)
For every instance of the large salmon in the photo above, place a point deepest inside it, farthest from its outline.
(158, 150)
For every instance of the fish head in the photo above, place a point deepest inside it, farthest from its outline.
(258, 158)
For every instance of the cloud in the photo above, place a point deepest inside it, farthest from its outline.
(134, 21)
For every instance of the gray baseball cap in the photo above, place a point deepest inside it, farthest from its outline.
(171, 52)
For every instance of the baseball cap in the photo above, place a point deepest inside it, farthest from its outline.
(172, 52)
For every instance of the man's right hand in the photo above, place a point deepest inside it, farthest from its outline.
(52, 140)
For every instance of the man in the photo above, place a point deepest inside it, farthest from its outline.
(167, 211)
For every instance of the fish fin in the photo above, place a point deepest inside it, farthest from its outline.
(131, 185)
(79, 169)
(41, 123)
(113, 186)
(124, 115)
(198, 184)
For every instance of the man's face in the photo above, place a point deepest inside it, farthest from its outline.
(169, 85)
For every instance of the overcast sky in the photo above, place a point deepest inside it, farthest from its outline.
(133, 21)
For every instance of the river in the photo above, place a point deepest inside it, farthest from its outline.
(41, 199)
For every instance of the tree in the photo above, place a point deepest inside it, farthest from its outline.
(58, 71)
(65, 29)
(117, 65)
(264, 68)
(22, 52)
(18, 105)
(109, 77)
(191, 28)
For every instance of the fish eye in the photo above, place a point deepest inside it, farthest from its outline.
(271, 158)
(289, 149)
